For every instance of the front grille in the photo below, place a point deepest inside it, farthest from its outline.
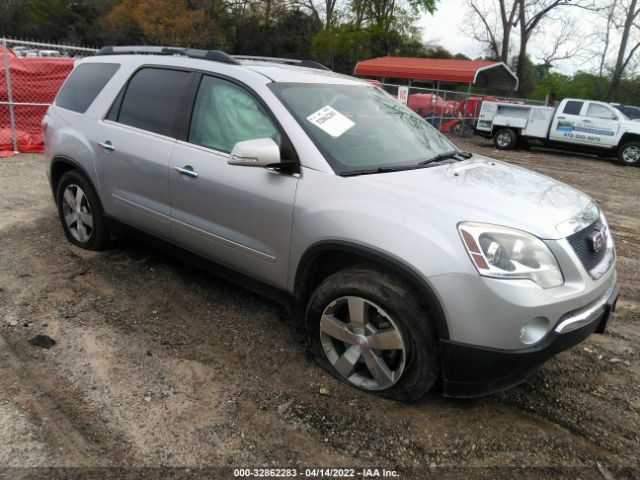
(581, 244)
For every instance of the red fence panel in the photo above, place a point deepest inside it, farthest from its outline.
(34, 85)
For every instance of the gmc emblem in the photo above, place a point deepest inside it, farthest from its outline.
(597, 240)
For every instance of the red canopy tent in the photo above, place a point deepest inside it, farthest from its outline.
(442, 74)
(34, 85)
(468, 72)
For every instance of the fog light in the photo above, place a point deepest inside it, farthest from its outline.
(534, 330)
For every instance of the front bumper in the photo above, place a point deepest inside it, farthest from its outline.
(472, 371)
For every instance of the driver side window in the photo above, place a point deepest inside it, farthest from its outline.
(225, 113)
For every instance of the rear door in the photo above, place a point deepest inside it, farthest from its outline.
(238, 216)
(136, 140)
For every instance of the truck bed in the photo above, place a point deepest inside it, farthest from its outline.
(533, 121)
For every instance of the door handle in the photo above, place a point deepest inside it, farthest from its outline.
(107, 145)
(561, 118)
(187, 171)
(586, 121)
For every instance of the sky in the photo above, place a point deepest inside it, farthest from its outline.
(445, 27)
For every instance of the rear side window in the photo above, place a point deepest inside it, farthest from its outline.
(573, 108)
(84, 85)
(152, 99)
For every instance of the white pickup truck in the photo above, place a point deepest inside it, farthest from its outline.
(579, 125)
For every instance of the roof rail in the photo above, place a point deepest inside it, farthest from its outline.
(285, 61)
(214, 55)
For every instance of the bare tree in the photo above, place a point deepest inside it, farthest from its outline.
(626, 50)
(492, 24)
(359, 10)
(495, 21)
(531, 13)
(563, 45)
(324, 11)
(609, 11)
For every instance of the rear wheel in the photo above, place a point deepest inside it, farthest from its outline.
(80, 212)
(505, 139)
(368, 329)
(629, 154)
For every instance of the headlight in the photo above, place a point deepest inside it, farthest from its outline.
(503, 252)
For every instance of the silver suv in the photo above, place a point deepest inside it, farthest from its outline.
(405, 259)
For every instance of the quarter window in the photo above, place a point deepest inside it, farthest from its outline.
(152, 99)
(225, 113)
(84, 85)
(573, 108)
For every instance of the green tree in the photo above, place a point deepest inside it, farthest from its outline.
(12, 15)
(53, 20)
(389, 20)
(581, 85)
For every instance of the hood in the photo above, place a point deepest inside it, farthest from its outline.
(631, 126)
(485, 190)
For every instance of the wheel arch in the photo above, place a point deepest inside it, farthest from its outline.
(327, 257)
(62, 164)
(497, 128)
(628, 137)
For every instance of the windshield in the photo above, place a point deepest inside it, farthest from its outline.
(361, 127)
(621, 112)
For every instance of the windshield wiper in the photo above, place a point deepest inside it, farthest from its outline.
(370, 171)
(445, 155)
(398, 168)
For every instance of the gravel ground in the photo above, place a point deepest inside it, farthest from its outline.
(161, 370)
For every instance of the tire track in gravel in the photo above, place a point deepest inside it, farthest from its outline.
(54, 412)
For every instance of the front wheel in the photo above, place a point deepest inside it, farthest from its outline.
(368, 329)
(505, 139)
(629, 154)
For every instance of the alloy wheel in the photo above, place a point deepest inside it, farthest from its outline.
(503, 139)
(77, 213)
(362, 342)
(631, 154)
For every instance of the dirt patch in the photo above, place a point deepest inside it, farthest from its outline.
(158, 364)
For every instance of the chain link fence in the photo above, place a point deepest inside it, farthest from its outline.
(31, 74)
(450, 111)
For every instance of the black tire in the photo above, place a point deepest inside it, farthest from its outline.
(505, 139)
(624, 156)
(95, 237)
(421, 358)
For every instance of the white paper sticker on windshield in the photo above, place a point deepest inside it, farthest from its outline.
(331, 121)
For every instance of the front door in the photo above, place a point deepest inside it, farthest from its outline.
(565, 122)
(600, 125)
(238, 216)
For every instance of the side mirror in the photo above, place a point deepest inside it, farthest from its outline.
(260, 152)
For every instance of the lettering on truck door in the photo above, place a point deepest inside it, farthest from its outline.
(599, 125)
(563, 128)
